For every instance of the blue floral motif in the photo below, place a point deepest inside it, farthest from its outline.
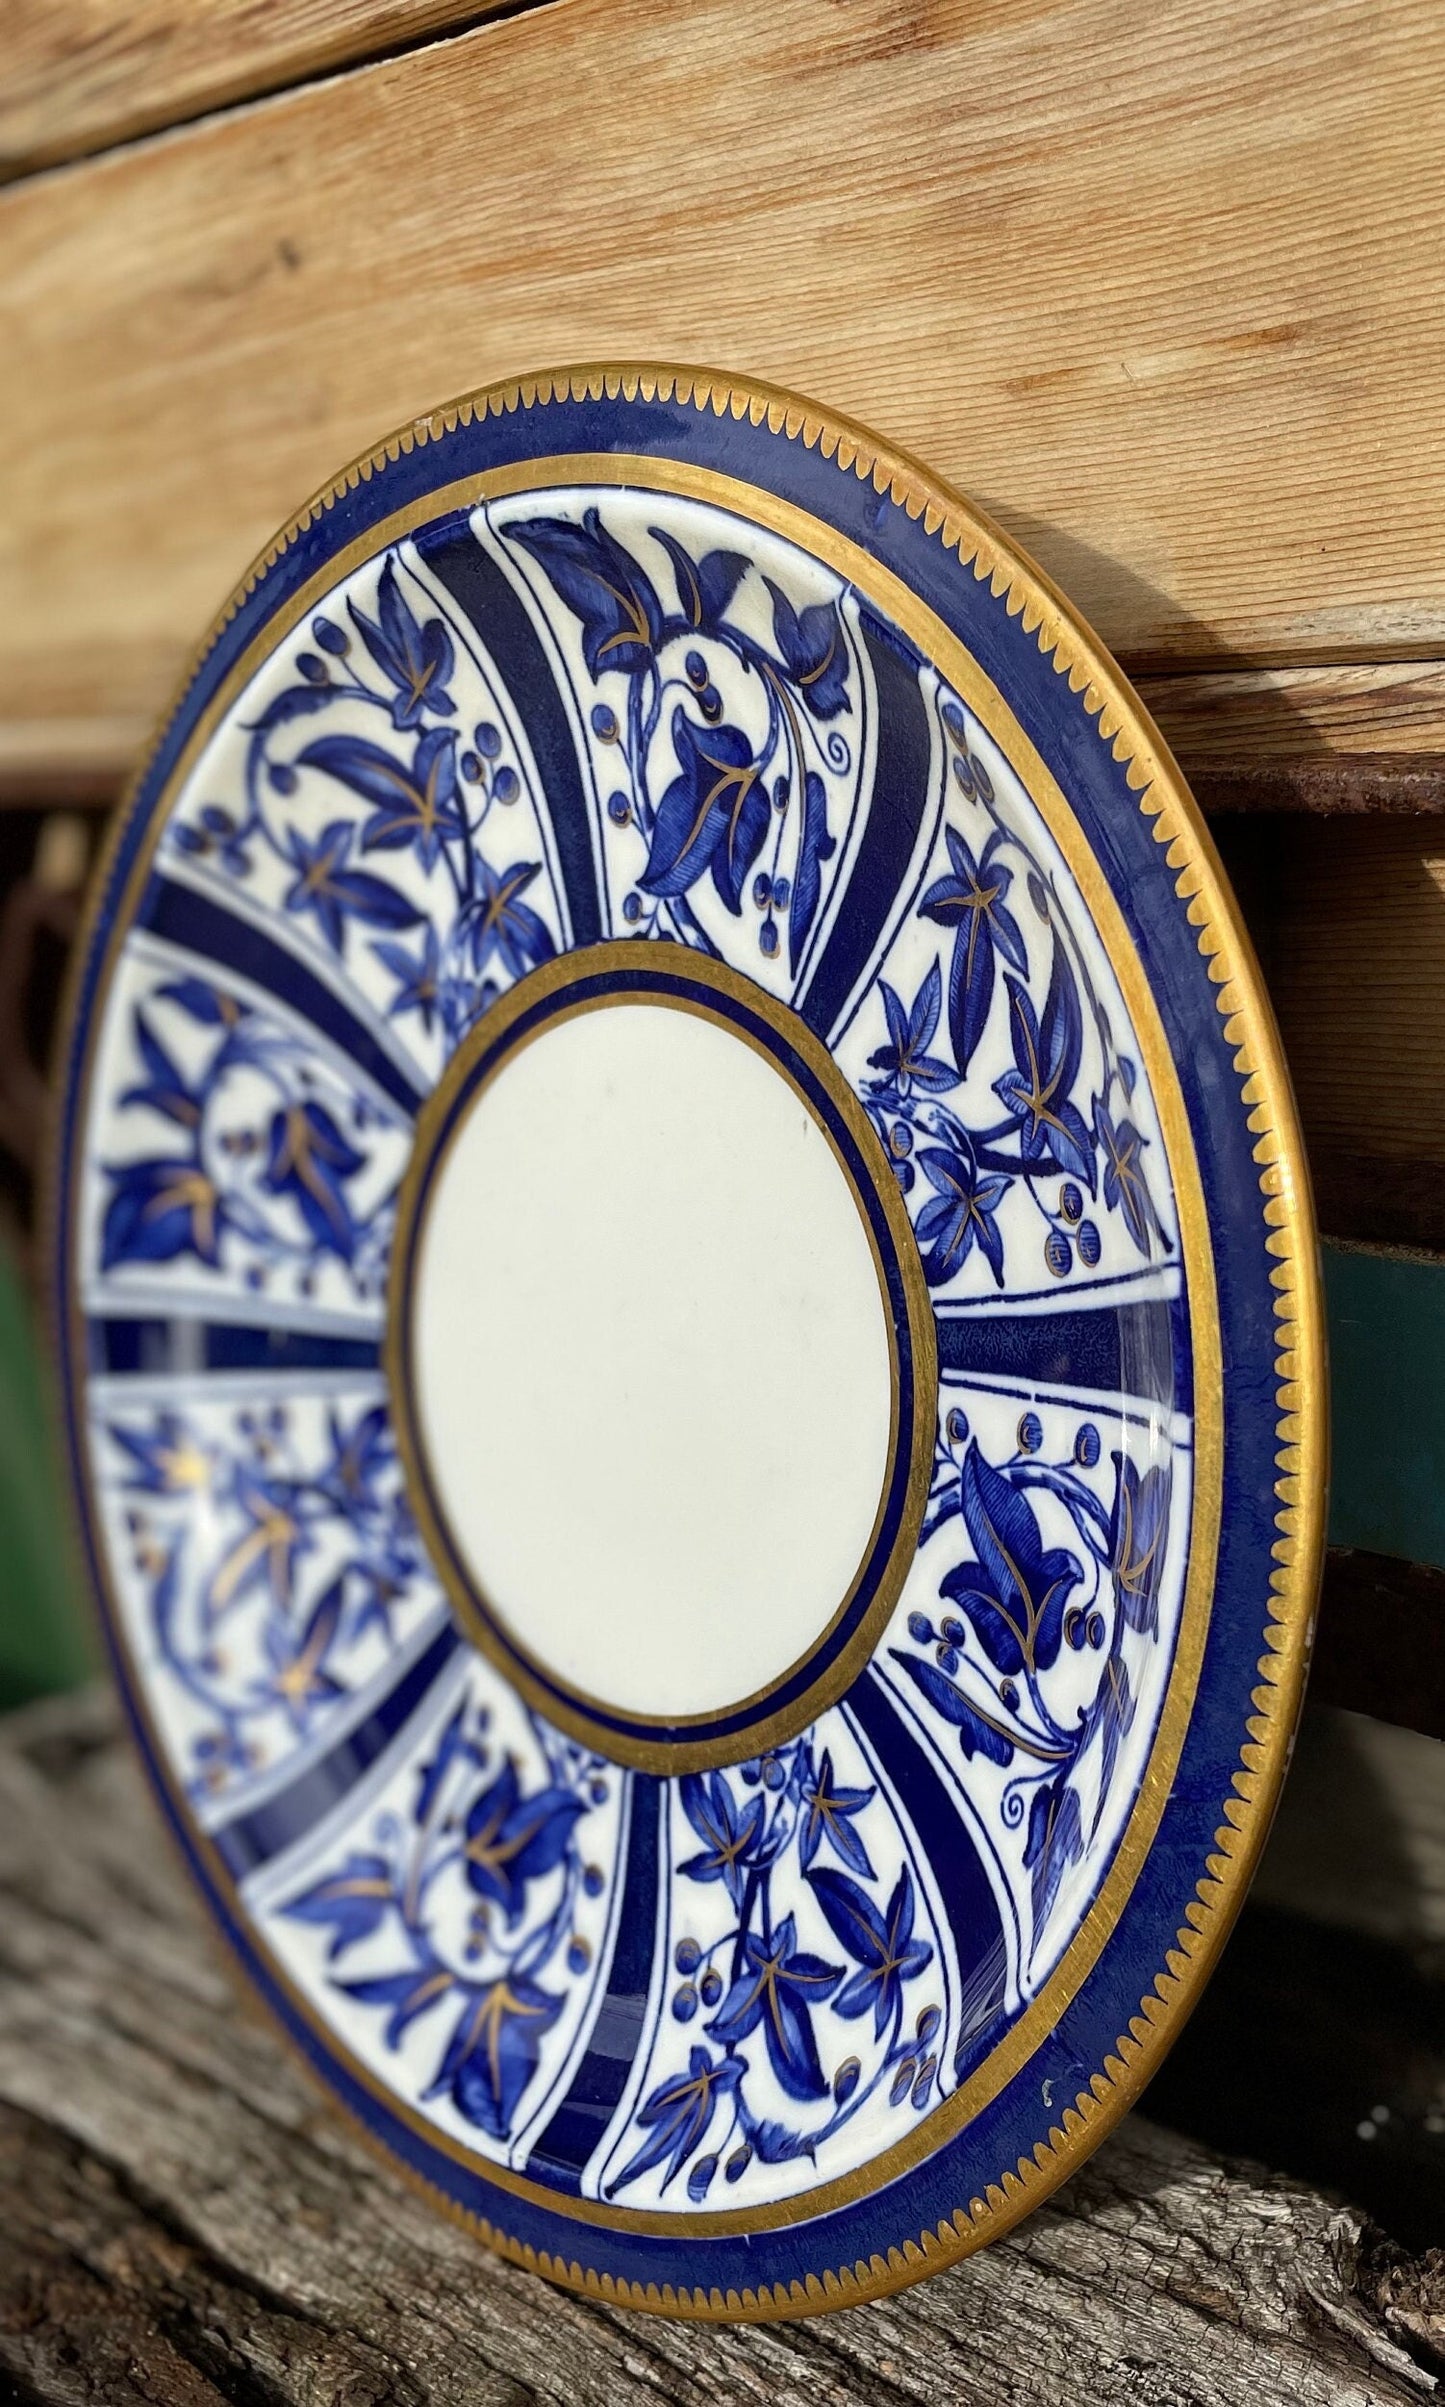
(971, 900)
(678, 2114)
(219, 1179)
(513, 1847)
(1056, 1124)
(778, 1988)
(227, 1518)
(416, 657)
(423, 847)
(1022, 1610)
(724, 808)
(777, 1835)
(881, 1944)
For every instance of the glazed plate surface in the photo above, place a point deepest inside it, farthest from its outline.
(690, 1345)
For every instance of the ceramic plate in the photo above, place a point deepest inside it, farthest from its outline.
(690, 1340)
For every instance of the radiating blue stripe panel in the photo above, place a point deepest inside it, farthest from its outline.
(899, 800)
(1113, 1348)
(479, 588)
(942, 1833)
(121, 1344)
(254, 1837)
(204, 926)
(572, 2137)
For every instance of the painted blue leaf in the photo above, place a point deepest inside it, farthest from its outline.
(1055, 1840)
(815, 846)
(776, 1987)
(678, 2113)
(161, 1209)
(494, 2050)
(351, 1903)
(880, 1943)
(976, 1734)
(310, 1160)
(294, 702)
(604, 587)
(510, 1839)
(406, 1994)
(706, 586)
(814, 652)
(713, 815)
(416, 659)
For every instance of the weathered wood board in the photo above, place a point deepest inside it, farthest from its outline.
(81, 75)
(184, 2224)
(1163, 290)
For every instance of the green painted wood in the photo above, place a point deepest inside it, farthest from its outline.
(45, 1639)
(1386, 1314)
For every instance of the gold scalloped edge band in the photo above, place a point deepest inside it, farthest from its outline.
(1122, 724)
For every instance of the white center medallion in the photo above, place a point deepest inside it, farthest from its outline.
(653, 1374)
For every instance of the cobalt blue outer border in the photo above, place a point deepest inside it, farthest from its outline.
(1241, 1119)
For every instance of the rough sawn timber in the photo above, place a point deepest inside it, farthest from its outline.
(1163, 288)
(182, 2221)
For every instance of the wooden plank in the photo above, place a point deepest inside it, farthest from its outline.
(183, 2223)
(1163, 290)
(1333, 712)
(1345, 737)
(83, 74)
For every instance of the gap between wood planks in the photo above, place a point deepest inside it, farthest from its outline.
(62, 104)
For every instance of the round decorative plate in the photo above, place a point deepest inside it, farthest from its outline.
(690, 1339)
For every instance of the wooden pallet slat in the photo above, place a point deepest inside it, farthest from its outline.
(1164, 292)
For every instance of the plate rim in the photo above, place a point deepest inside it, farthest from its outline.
(1286, 1223)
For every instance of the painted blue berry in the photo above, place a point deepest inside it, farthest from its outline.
(604, 723)
(1071, 1202)
(488, 739)
(920, 1628)
(1086, 1446)
(1058, 1253)
(331, 638)
(687, 1955)
(1030, 1433)
(1088, 1243)
(619, 809)
(684, 2002)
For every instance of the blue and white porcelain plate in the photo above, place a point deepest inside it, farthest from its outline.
(690, 1340)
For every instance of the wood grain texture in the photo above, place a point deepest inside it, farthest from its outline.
(81, 75)
(1163, 291)
(184, 2222)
